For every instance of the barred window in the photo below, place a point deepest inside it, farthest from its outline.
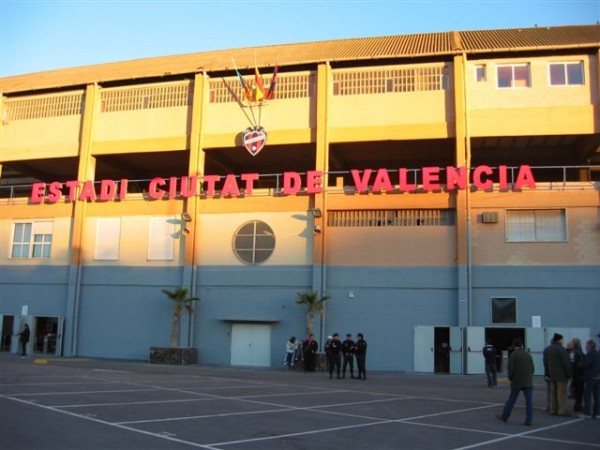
(32, 240)
(383, 81)
(43, 106)
(392, 218)
(149, 97)
(543, 225)
(229, 90)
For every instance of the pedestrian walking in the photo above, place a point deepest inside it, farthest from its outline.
(520, 373)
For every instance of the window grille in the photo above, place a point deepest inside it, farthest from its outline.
(228, 90)
(382, 81)
(149, 97)
(44, 106)
(392, 218)
(541, 225)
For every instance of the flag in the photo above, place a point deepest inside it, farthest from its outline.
(245, 88)
(271, 93)
(259, 89)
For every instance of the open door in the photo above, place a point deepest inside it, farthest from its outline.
(475, 340)
(535, 343)
(424, 355)
(456, 350)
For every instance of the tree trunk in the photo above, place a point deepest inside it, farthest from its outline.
(175, 329)
(309, 323)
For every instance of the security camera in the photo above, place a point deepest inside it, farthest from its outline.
(317, 229)
(186, 231)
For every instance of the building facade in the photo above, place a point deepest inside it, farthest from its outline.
(440, 188)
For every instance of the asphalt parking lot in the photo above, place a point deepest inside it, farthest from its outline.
(89, 404)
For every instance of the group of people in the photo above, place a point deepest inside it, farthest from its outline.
(561, 365)
(340, 355)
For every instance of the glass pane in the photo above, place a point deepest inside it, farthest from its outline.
(247, 229)
(522, 76)
(245, 255)
(550, 225)
(244, 242)
(46, 251)
(16, 251)
(261, 255)
(575, 73)
(557, 74)
(504, 310)
(263, 228)
(480, 73)
(520, 226)
(18, 235)
(265, 242)
(37, 251)
(504, 77)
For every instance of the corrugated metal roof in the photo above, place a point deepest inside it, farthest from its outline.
(415, 45)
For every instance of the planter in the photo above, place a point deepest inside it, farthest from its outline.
(175, 356)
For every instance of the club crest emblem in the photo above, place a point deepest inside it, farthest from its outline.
(254, 139)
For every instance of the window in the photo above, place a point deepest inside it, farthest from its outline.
(480, 73)
(544, 225)
(161, 239)
(108, 235)
(566, 74)
(254, 242)
(392, 218)
(514, 75)
(504, 310)
(32, 240)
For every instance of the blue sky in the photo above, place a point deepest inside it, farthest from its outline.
(37, 35)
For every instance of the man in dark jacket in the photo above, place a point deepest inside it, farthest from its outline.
(591, 372)
(24, 339)
(520, 374)
(557, 371)
(489, 353)
(348, 349)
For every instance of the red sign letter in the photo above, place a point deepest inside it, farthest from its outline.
(37, 193)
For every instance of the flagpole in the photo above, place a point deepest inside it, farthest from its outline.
(244, 92)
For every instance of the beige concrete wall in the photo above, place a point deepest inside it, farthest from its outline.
(52, 137)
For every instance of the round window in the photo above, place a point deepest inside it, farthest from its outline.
(254, 242)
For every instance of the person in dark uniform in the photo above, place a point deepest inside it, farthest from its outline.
(489, 353)
(348, 350)
(309, 353)
(361, 357)
(335, 355)
(24, 339)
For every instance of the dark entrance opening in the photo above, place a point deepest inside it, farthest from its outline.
(7, 330)
(441, 361)
(502, 339)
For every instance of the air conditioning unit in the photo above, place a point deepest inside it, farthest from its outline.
(489, 217)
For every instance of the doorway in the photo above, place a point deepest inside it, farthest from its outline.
(8, 323)
(250, 345)
(441, 337)
(502, 339)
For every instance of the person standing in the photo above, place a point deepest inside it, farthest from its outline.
(290, 351)
(309, 353)
(348, 350)
(520, 373)
(335, 355)
(361, 356)
(577, 382)
(557, 371)
(24, 339)
(591, 373)
(491, 369)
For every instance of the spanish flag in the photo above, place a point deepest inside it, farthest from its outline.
(259, 89)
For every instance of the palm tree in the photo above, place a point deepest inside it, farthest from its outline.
(181, 301)
(314, 305)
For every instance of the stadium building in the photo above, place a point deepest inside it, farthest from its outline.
(441, 188)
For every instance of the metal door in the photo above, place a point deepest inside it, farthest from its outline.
(424, 355)
(250, 345)
(456, 350)
(475, 340)
(535, 342)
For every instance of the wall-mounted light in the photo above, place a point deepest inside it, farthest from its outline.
(186, 217)
(186, 231)
(317, 229)
(316, 212)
